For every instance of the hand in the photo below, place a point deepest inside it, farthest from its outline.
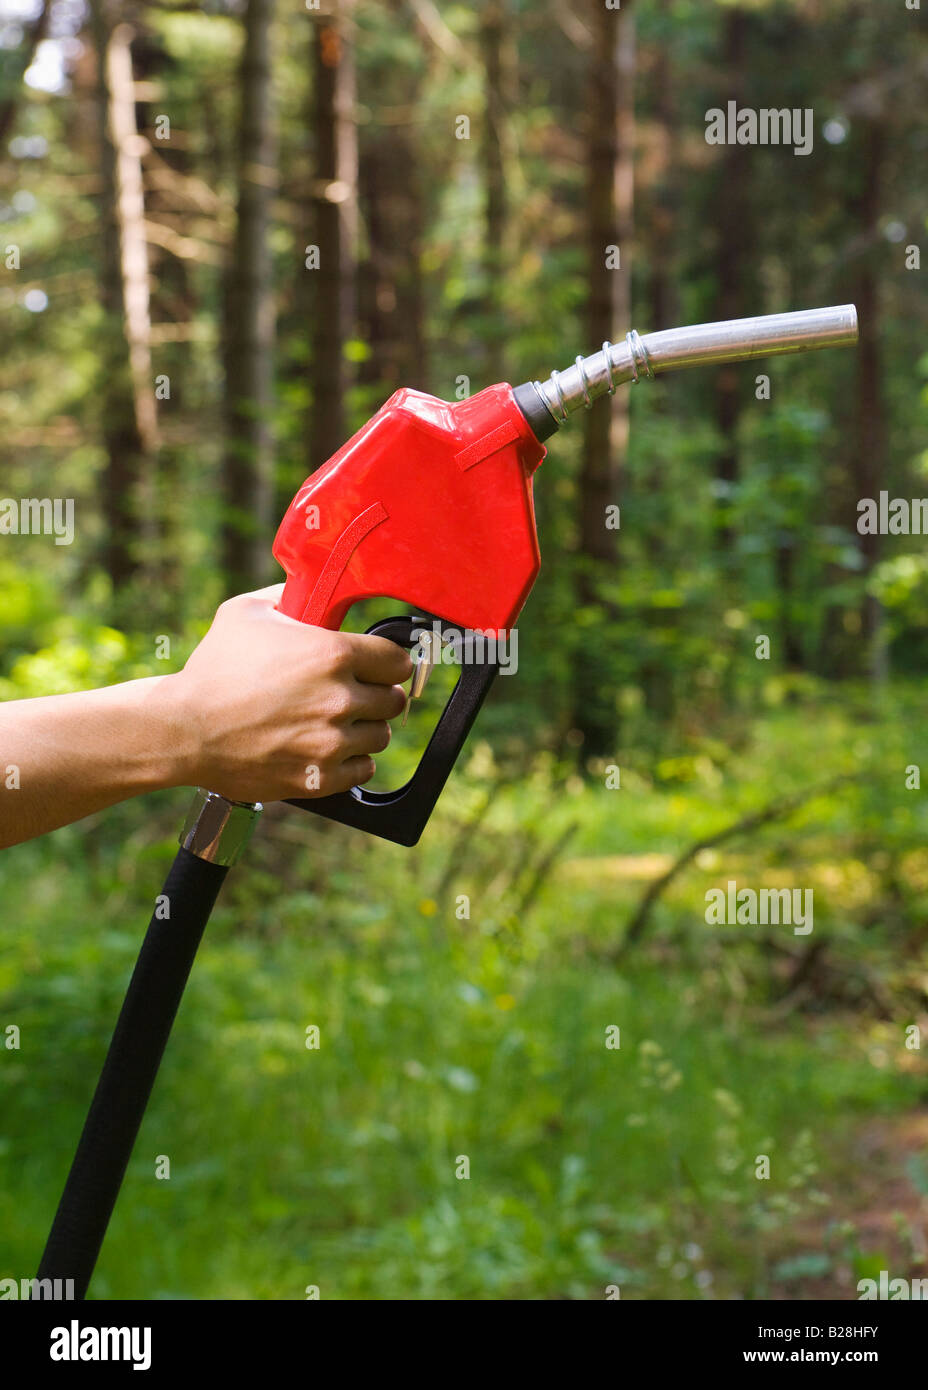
(269, 707)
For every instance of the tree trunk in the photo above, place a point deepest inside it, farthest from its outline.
(869, 442)
(249, 321)
(126, 385)
(661, 282)
(393, 302)
(335, 199)
(731, 209)
(605, 442)
(30, 46)
(789, 625)
(173, 307)
(130, 212)
(498, 64)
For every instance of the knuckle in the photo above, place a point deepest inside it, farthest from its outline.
(328, 785)
(340, 702)
(324, 786)
(335, 658)
(318, 747)
(335, 779)
(331, 746)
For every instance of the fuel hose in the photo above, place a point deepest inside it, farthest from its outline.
(214, 834)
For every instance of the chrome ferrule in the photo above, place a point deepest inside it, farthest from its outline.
(217, 829)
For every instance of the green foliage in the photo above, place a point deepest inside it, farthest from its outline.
(484, 1036)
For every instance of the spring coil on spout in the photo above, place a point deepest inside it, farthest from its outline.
(639, 355)
(559, 392)
(565, 400)
(584, 383)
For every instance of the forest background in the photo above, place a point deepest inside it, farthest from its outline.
(228, 233)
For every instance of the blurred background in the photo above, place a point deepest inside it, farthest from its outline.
(228, 233)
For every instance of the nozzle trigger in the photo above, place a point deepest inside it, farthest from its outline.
(425, 656)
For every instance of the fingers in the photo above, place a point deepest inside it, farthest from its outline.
(376, 701)
(366, 736)
(377, 659)
(351, 773)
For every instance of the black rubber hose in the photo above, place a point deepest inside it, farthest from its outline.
(129, 1072)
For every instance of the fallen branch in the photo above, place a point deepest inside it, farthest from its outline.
(460, 847)
(544, 866)
(775, 810)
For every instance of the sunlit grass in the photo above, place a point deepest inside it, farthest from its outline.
(479, 1036)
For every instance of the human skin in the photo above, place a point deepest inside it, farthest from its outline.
(265, 708)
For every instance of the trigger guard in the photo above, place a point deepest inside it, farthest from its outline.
(402, 815)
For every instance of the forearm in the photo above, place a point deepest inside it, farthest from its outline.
(266, 708)
(63, 757)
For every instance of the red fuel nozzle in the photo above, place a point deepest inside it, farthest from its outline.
(429, 503)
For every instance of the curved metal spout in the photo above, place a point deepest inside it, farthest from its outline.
(730, 340)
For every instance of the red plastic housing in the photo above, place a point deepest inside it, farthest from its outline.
(429, 503)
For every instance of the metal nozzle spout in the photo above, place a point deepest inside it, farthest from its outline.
(730, 340)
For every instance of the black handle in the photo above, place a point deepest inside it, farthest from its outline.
(402, 815)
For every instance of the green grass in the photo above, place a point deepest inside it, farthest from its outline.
(446, 1037)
